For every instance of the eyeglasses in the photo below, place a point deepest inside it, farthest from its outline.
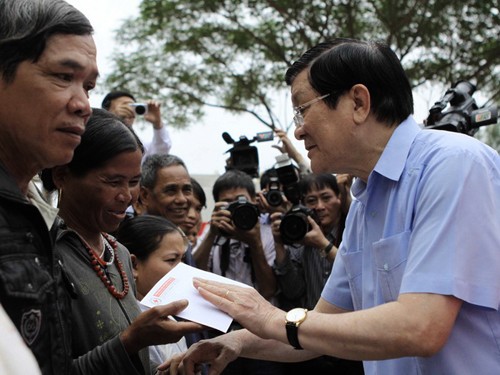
(298, 118)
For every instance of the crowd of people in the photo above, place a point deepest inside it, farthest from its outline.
(380, 257)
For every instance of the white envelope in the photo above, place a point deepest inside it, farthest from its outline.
(178, 284)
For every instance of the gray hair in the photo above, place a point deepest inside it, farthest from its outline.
(155, 162)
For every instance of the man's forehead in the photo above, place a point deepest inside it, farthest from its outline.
(300, 87)
(180, 184)
(176, 171)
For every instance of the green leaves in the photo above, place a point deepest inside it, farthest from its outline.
(233, 54)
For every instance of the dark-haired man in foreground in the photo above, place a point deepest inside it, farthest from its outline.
(47, 68)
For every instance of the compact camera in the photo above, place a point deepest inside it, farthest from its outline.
(140, 108)
(274, 196)
(243, 213)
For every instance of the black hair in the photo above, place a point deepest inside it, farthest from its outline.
(337, 65)
(198, 192)
(106, 102)
(153, 163)
(233, 179)
(318, 181)
(26, 26)
(105, 137)
(142, 234)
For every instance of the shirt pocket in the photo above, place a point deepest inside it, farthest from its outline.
(390, 256)
(24, 273)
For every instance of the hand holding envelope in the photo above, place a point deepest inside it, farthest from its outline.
(178, 284)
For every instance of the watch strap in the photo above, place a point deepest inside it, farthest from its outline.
(292, 334)
(324, 252)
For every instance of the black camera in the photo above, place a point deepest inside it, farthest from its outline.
(462, 114)
(273, 195)
(243, 213)
(294, 224)
(140, 108)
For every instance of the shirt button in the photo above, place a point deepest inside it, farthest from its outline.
(386, 267)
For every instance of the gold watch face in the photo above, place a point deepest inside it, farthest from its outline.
(296, 315)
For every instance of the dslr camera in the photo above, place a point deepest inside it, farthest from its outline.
(294, 224)
(140, 108)
(243, 213)
(274, 196)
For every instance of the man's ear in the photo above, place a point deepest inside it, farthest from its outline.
(59, 175)
(362, 102)
(144, 196)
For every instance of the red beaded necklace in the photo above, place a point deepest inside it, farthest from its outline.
(99, 265)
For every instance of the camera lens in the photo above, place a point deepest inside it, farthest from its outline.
(245, 217)
(294, 227)
(274, 198)
(140, 109)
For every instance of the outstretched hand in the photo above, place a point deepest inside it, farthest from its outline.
(245, 305)
(217, 353)
(155, 326)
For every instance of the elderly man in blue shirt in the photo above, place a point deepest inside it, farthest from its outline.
(415, 288)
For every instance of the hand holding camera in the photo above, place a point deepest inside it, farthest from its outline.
(220, 223)
(150, 110)
(238, 219)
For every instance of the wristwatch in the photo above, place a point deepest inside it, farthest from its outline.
(324, 252)
(294, 318)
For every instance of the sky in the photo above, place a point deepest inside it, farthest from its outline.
(200, 145)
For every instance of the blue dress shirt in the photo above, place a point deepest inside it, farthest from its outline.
(428, 221)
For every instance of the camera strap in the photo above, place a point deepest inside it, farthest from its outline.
(225, 256)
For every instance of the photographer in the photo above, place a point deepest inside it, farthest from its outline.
(123, 105)
(270, 198)
(232, 249)
(239, 254)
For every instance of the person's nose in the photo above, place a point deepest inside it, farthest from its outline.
(299, 133)
(319, 206)
(181, 198)
(127, 195)
(79, 103)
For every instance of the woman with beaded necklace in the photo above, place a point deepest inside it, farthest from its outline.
(95, 189)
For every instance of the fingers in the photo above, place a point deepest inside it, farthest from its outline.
(172, 365)
(172, 308)
(223, 292)
(153, 104)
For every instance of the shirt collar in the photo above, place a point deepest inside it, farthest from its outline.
(48, 212)
(393, 159)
